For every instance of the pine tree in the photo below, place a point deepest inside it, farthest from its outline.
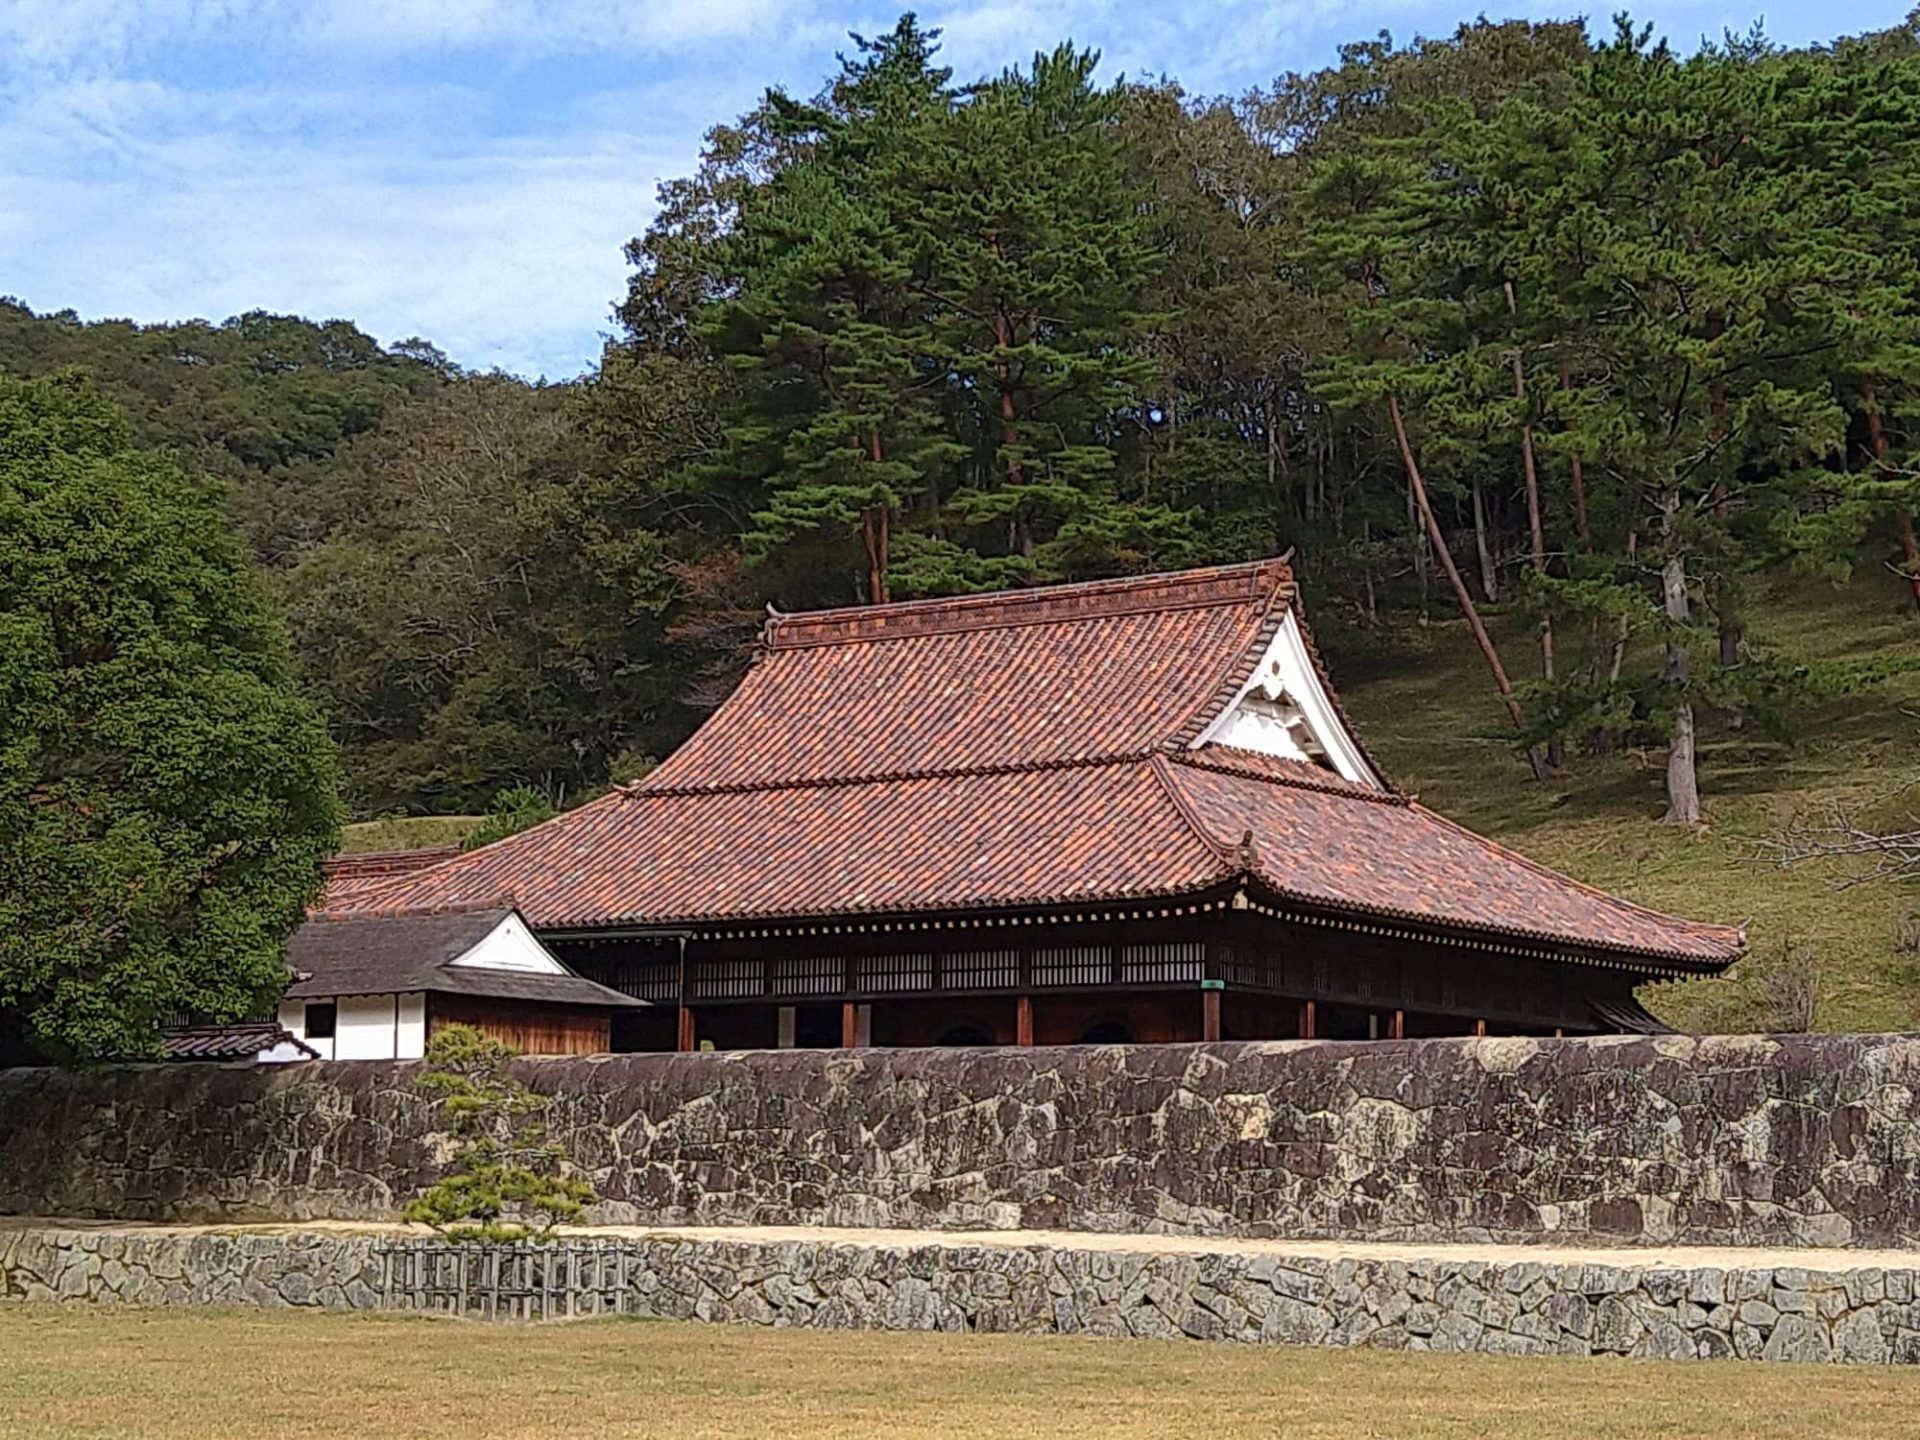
(844, 395)
(508, 1179)
(1027, 235)
(1688, 298)
(1411, 351)
(1852, 123)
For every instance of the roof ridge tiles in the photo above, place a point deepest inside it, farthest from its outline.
(1207, 758)
(1228, 854)
(405, 858)
(1219, 585)
(501, 901)
(640, 790)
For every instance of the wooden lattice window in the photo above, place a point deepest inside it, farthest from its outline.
(982, 970)
(894, 972)
(642, 979)
(735, 979)
(1165, 964)
(809, 975)
(1073, 965)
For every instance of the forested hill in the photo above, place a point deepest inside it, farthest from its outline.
(1557, 356)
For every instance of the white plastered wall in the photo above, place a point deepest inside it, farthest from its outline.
(293, 1019)
(366, 1027)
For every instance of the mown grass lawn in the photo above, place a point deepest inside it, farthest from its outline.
(74, 1374)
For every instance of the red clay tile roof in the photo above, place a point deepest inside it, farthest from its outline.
(1096, 831)
(1323, 842)
(352, 876)
(1074, 672)
(1016, 751)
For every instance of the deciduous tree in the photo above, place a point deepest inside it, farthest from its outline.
(166, 797)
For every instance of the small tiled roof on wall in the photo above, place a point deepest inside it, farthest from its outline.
(241, 1040)
(1012, 751)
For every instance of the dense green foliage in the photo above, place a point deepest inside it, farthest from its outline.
(1571, 330)
(517, 808)
(507, 1178)
(166, 797)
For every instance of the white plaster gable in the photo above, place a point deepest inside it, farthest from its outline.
(1284, 709)
(510, 946)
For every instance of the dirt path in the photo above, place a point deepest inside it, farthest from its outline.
(1661, 1257)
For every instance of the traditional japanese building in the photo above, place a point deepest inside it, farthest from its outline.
(380, 987)
(1125, 810)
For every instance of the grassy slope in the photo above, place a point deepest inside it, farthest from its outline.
(69, 1373)
(1430, 716)
(406, 832)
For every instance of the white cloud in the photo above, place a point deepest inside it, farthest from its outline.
(549, 24)
(468, 170)
(133, 200)
(102, 32)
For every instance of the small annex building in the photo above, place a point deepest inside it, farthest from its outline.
(378, 988)
(1122, 810)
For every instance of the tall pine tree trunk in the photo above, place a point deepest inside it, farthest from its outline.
(1438, 541)
(1902, 519)
(1489, 579)
(1022, 527)
(1725, 614)
(1581, 526)
(1366, 571)
(1536, 531)
(1273, 455)
(1422, 555)
(876, 527)
(1683, 778)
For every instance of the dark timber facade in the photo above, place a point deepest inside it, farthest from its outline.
(1124, 811)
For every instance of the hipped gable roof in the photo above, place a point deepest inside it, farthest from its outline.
(363, 954)
(1020, 750)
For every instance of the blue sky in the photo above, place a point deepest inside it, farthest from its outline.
(467, 170)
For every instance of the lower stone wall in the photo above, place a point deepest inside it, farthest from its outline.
(1762, 1311)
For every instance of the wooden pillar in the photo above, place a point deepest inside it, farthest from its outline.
(1480, 1027)
(1023, 1020)
(683, 1035)
(1306, 1019)
(1397, 1026)
(1209, 1014)
(849, 1025)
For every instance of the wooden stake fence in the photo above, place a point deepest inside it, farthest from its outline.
(559, 1280)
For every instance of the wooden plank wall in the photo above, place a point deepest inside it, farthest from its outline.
(532, 1029)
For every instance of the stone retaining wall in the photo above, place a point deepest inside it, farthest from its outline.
(1523, 1307)
(1805, 1140)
